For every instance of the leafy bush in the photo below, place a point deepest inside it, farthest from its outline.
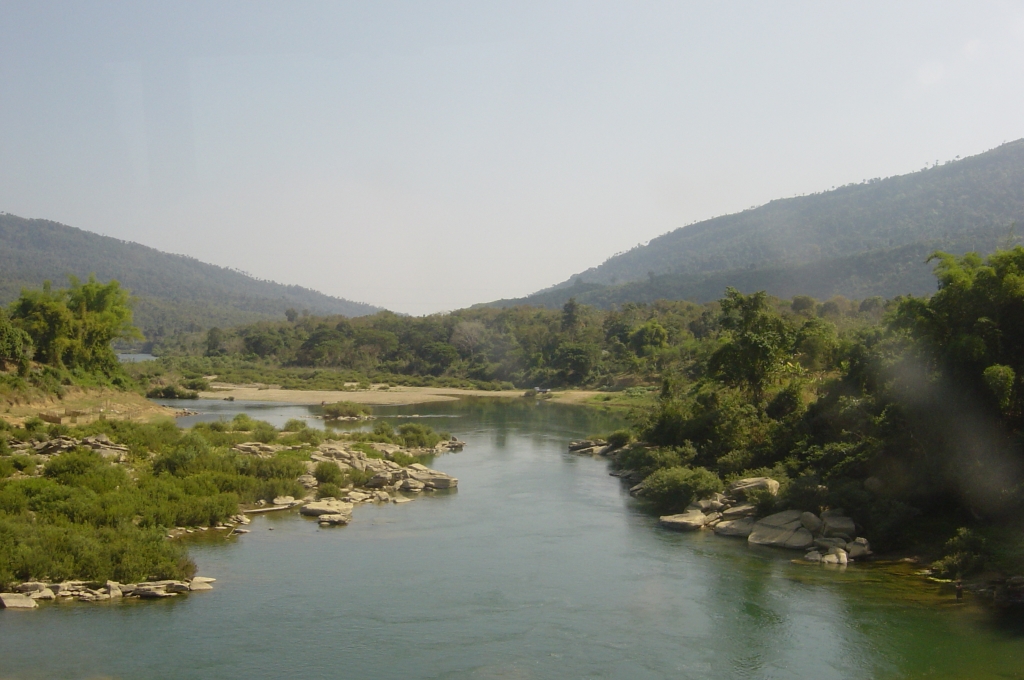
(328, 490)
(672, 489)
(344, 409)
(196, 384)
(294, 425)
(645, 460)
(619, 438)
(172, 392)
(328, 473)
(964, 555)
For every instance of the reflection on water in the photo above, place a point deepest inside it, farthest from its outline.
(541, 566)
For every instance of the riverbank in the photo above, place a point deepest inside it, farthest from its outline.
(81, 405)
(379, 395)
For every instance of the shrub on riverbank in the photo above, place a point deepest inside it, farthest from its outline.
(344, 409)
(672, 489)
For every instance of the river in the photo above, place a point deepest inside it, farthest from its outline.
(539, 566)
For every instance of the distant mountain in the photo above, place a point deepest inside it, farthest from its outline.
(859, 240)
(173, 292)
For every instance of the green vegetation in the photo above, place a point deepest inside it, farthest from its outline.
(174, 293)
(861, 240)
(488, 348)
(90, 518)
(910, 424)
(344, 409)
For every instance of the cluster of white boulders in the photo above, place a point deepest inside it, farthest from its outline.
(390, 483)
(54, 446)
(830, 538)
(27, 595)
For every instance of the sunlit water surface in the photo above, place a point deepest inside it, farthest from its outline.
(539, 566)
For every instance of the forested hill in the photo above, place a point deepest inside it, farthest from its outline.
(859, 240)
(173, 292)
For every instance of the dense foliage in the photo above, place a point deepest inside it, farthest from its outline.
(87, 517)
(481, 347)
(921, 413)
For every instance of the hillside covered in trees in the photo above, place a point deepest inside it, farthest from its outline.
(173, 293)
(859, 240)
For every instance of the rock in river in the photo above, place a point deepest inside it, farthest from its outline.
(16, 601)
(782, 530)
(735, 527)
(691, 520)
(326, 507)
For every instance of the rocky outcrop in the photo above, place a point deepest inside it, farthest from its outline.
(30, 593)
(16, 601)
(739, 528)
(326, 506)
(781, 530)
(691, 520)
(832, 536)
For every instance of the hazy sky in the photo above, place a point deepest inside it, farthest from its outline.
(427, 156)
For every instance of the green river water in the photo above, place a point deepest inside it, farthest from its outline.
(538, 566)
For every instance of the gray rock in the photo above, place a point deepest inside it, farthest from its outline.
(308, 481)
(339, 519)
(412, 485)
(781, 530)
(284, 500)
(114, 590)
(813, 556)
(858, 548)
(830, 559)
(741, 487)
(687, 521)
(44, 594)
(380, 479)
(199, 585)
(740, 528)
(29, 587)
(837, 525)
(827, 543)
(325, 507)
(741, 510)
(810, 522)
(177, 587)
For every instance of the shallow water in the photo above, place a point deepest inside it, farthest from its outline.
(538, 566)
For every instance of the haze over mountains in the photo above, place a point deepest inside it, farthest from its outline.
(859, 240)
(174, 293)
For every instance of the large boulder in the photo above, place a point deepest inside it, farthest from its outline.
(858, 547)
(838, 526)
(810, 522)
(741, 510)
(382, 478)
(740, 528)
(16, 601)
(432, 479)
(325, 507)
(741, 487)
(781, 530)
(340, 519)
(690, 520)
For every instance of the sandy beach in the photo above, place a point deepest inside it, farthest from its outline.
(394, 396)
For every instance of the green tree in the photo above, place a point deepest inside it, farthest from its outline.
(757, 342)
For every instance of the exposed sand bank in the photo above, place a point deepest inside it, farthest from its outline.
(393, 396)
